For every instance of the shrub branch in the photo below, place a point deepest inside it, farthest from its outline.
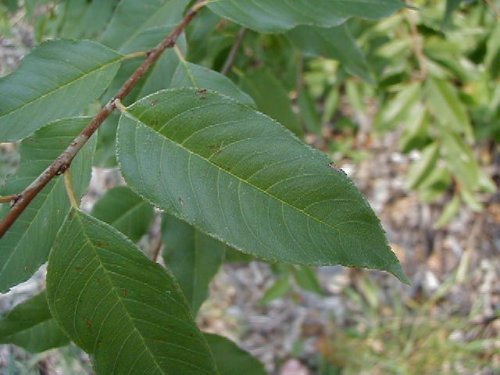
(62, 163)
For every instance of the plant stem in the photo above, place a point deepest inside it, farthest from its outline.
(234, 51)
(68, 183)
(8, 198)
(62, 163)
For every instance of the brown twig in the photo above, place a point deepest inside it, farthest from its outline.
(62, 163)
(234, 51)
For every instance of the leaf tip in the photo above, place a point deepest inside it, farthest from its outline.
(397, 270)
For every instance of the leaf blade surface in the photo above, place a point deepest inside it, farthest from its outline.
(116, 304)
(242, 178)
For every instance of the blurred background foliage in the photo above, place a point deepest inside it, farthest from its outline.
(429, 75)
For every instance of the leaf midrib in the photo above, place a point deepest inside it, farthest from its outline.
(115, 292)
(241, 180)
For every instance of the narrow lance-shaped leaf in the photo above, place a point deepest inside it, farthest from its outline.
(25, 247)
(126, 211)
(57, 79)
(333, 43)
(116, 304)
(282, 15)
(31, 326)
(242, 178)
(231, 359)
(193, 257)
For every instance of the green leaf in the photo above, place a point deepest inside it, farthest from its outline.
(242, 178)
(272, 98)
(30, 326)
(57, 79)
(231, 359)
(85, 18)
(159, 77)
(422, 169)
(449, 213)
(132, 18)
(460, 159)
(25, 247)
(306, 278)
(281, 15)
(396, 110)
(126, 211)
(193, 257)
(451, 6)
(334, 43)
(116, 304)
(279, 289)
(309, 112)
(192, 75)
(444, 103)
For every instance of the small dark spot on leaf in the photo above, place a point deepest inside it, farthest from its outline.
(78, 269)
(181, 202)
(125, 292)
(27, 268)
(202, 93)
(153, 102)
(88, 323)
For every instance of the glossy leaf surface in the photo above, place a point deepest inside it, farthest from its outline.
(116, 304)
(25, 247)
(242, 178)
(193, 257)
(31, 326)
(281, 15)
(57, 79)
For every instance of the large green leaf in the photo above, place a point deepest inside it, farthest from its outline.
(27, 244)
(192, 75)
(57, 79)
(193, 257)
(133, 17)
(30, 326)
(333, 43)
(231, 359)
(116, 304)
(281, 15)
(126, 211)
(241, 177)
